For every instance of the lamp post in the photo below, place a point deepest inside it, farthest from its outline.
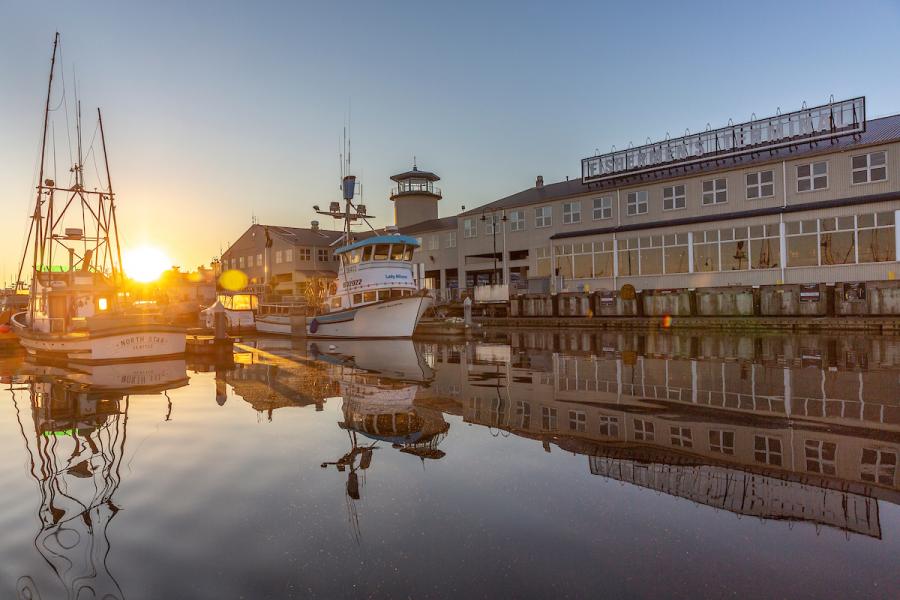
(494, 221)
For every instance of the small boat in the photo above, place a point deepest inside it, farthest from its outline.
(241, 309)
(376, 293)
(79, 311)
(281, 319)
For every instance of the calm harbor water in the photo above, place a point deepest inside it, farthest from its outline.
(531, 464)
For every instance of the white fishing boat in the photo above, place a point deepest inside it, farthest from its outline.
(240, 311)
(376, 293)
(78, 310)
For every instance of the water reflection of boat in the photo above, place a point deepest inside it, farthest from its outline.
(76, 444)
(143, 377)
(379, 381)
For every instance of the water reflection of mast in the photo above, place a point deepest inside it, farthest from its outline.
(77, 482)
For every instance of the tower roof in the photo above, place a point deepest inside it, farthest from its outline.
(416, 173)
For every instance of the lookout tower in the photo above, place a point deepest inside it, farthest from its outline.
(415, 197)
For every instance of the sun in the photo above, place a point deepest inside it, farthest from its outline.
(145, 263)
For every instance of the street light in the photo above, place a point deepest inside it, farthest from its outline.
(494, 222)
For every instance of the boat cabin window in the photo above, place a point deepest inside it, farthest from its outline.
(395, 293)
(384, 294)
(367, 253)
(355, 256)
(239, 301)
(408, 252)
(382, 251)
(335, 303)
(368, 296)
(357, 298)
(397, 251)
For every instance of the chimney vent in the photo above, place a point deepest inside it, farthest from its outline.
(315, 225)
(539, 182)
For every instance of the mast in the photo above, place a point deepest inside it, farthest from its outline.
(36, 228)
(116, 268)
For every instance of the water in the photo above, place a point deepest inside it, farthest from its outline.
(529, 465)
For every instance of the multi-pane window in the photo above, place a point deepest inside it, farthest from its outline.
(767, 450)
(543, 216)
(737, 248)
(721, 441)
(278, 257)
(869, 167)
(681, 436)
(571, 212)
(491, 222)
(760, 185)
(548, 419)
(241, 262)
(523, 414)
(304, 254)
(609, 426)
(469, 228)
(517, 220)
(844, 240)
(451, 239)
(636, 203)
(288, 256)
(585, 260)
(259, 260)
(878, 466)
(715, 191)
(673, 197)
(602, 208)
(820, 456)
(675, 253)
(812, 176)
(322, 254)
(434, 242)
(643, 430)
(577, 420)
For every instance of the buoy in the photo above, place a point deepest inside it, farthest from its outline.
(313, 326)
(5, 329)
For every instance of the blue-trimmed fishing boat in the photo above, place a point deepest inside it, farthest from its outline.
(376, 293)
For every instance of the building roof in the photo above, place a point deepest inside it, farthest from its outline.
(303, 236)
(430, 225)
(878, 131)
(416, 173)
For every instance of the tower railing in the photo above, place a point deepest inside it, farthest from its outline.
(411, 188)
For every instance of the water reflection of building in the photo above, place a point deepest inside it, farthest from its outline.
(782, 428)
(76, 444)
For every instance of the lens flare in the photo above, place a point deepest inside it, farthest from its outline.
(145, 263)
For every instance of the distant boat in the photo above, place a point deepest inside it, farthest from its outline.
(78, 310)
(376, 293)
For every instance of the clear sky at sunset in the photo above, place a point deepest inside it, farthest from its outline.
(218, 110)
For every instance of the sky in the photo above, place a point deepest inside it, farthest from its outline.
(218, 111)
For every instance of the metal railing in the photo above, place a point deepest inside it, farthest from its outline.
(414, 188)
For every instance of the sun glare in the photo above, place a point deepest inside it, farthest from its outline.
(145, 263)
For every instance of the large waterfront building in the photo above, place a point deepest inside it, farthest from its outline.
(806, 197)
(811, 196)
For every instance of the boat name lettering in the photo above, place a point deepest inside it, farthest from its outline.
(396, 276)
(353, 283)
(141, 341)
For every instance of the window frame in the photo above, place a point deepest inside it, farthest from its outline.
(868, 168)
(603, 209)
(574, 216)
(633, 200)
(758, 186)
(470, 228)
(674, 197)
(517, 220)
(543, 217)
(812, 176)
(713, 194)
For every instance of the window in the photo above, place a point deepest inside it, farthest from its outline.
(304, 254)
(571, 212)
(675, 250)
(434, 242)
(767, 450)
(241, 262)
(609, 426)
(837, 241)
(369, 297)
(543, 216)
(760, 185)
(469, 228)
(548, 419)
(381, 252)
(451, 239)
(322, 254)
(820, 456)
(869, 167)
(523, 415)
(721, 441)
(259, 260)
(651, 255)
(628, 257)
(288, 256)
(364, 254)
(643, 430)
(603, 259)
(577, 420)
(398, 251)
(575, 260)
(715, 191)
(876, 237)
(636, 203)
(813, 176)
(420, 242)
(878, 466)
(673, 197)
(802, 243)
(278, 256)
(681, 436)
(517, 220)
(602, 208)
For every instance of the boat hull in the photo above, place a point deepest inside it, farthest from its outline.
(388, 319)
(141, 341)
